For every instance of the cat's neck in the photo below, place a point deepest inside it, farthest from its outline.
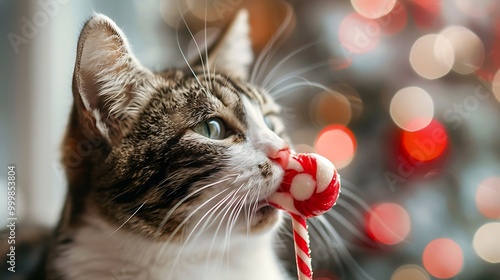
(123, 254)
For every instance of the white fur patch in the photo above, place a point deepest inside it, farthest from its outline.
(96, 255)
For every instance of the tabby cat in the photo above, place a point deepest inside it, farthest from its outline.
(169, 172)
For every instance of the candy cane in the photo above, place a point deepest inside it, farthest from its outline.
(310, 187)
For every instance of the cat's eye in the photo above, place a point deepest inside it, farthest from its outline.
(213, 128)
(269, 122)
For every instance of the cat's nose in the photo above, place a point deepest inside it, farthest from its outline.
(281, 157)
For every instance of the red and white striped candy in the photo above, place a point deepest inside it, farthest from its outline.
(310, 187)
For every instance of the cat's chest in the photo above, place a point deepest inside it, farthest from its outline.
(123, 256)
(257, 266)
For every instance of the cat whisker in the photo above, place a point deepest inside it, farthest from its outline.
(210, 211)
(187, 62)
(213, 209)
(346, 192)
(342, 250)
(167, 216)
(273, 71)
(351, 209)
(277, 94)
(268, 47)
(192, 37)
(198, 208)
(206, 42)
(197, 47)
(344, 222)
(228, 207)
(253, 205)
(133, 214)
(296, 73)
(248, 212)
(229, 227)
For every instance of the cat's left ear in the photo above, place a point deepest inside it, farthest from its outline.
(109, 85)
(232, 51)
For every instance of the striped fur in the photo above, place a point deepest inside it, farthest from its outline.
(148, 197)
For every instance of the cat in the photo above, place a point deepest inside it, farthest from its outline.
(168, 172)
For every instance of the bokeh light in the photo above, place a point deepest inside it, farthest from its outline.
(359, 34)
(432, 56)
(337, 143)
(410, 272)
(321, 109)
(496, 85)
(388, 223)
(373, 8)
(488, 198)
(476, 8)
(266, 18)
(468, 49)
(354, 99)
(172, 16)
(426, 12)
(412, 108)
(431, 6)
(205, 11)
(443, 258)
(426, 144)
(486, 242)
(395, 21)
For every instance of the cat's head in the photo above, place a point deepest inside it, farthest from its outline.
(170, 153)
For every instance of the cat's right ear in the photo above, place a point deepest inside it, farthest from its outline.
(232, 50)
(105, 79)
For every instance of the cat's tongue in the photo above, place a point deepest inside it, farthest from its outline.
(310, 187)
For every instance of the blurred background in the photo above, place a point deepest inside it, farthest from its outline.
(401, 95)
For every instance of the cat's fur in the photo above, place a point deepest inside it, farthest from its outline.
(148, 197)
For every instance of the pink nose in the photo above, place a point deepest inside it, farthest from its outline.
(281, 157)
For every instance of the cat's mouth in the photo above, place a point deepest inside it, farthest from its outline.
(264, 208)
(264, 218)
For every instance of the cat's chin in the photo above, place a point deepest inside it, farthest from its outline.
(266, 218)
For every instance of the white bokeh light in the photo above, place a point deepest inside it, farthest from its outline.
(486, 242)
(432, 56)
(412, 108)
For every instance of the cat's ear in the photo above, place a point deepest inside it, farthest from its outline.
(232, 51)
(105, 80)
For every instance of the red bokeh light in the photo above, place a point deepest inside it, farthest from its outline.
(359, 34)
(426, 13)
(395, 21)
(337, 143)
(488, 197)
(388, 223)
(443, 258)
(426, 144)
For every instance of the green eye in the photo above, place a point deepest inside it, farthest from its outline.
(269, 122)
(212, 128)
